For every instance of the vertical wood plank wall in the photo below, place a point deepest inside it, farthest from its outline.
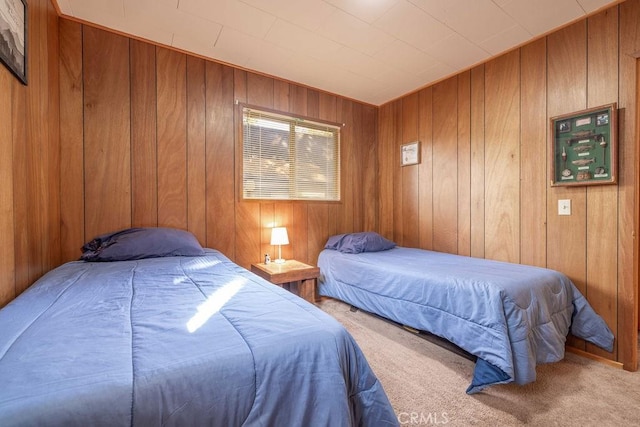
(30, 159)
(152, 133)
(483, 185)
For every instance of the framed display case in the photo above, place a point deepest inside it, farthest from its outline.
(583, 147)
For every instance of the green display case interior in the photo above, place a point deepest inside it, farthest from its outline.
(584, 147)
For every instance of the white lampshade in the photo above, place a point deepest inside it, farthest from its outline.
(279, 236)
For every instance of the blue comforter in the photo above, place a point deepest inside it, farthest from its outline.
(510, 316)
(181, 341)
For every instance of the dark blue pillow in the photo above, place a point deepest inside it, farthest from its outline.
(334, 241)
(355, 243)
(139, 243)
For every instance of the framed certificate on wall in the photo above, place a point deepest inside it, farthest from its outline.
(410, 153)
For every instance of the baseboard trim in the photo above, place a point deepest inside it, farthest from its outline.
(600, 359)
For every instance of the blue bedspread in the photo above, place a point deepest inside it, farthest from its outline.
(510, 316)
(182, 341)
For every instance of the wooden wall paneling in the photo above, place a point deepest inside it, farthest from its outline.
(240, 85)
(46, 175)
(636, 246)
(106, 148)
(260, 90)
(370, 170)
(328, 107)
(445, 160)
(628, 138)
(318, 230)
(29, 164)
(52, 220)
(36, 134)
(602, 56)
(566, 92)
(425, 170)
(283, 215)
(171, 70)
(267, 222)
(502, 157)
(220, 154)
(344, 112)
(464, 163)
(248, 234)
(477, 162)
(20, 207)
(357, 161)
(71, 141)
(281, 95)
(7, 251)
(394, 160)
(196, 148)
(386, 168)
(298, 100)
(533, 154)
(313, 103)
(409, 224)
(46, 183)
(602, 200)
(144, 160)
(300, 231)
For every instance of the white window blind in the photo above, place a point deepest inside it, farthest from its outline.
(287, 158)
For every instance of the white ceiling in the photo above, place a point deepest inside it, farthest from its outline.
(368, 50)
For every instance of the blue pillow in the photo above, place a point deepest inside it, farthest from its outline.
(139, 243)
(355, 243)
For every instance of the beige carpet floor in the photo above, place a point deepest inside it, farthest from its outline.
(426, 383)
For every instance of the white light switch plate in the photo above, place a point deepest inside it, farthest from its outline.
(564, 207)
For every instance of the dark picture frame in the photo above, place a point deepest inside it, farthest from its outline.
(584, 147)
(13, 37)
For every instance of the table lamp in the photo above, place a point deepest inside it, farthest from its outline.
(279, 237)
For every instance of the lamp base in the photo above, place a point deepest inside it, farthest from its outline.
(280, 261)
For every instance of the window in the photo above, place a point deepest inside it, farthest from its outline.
(287, 158)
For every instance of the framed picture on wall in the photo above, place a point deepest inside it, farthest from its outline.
(584, 147)
(13, 37)
(410, 153)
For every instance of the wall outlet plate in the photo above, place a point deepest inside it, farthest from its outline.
(564, 207)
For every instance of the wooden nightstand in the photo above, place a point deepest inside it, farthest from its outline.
(295, 276)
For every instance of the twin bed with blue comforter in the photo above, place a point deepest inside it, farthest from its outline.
(178, 340)
(510, 316)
